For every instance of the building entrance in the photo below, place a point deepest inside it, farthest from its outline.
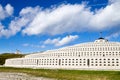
(88, 62)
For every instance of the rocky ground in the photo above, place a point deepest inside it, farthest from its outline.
(19, 76)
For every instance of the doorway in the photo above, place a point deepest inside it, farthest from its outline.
(88, 62)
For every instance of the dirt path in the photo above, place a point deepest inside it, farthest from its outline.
(19, 76)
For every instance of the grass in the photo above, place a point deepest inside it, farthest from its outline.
(5, 56)
(66, 74)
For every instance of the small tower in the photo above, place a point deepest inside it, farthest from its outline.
(17, 51)
(101, 35)
(101, 39)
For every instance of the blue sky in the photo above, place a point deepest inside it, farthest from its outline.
(38, 25)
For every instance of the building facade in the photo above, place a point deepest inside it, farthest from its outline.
(98, 55)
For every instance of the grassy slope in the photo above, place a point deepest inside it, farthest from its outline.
(5, 56)
(67, 74)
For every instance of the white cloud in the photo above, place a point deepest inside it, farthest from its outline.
(33, 45)
(74, 18)
(114, 1)
(1, 26)
(66, 40)
(30, 11)
(2, 16)
(14, 27)
(42, 46)
(52, 41)
(20, 22)
(61, 42)
(6, 11)
(25, 45)
(65, 18)
(9, 9)
(107, 18)
(114, 34)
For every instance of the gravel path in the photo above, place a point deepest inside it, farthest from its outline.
(19, 76)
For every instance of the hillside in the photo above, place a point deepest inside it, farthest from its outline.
(5, 56)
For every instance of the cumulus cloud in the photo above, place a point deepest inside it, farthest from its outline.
(25, 44)
(52, 41)
(107, 18)
(66, 40)
(14, 27)
(113, 35)
(24, 18)
(65, 18)
(1, 26)
(33, 45)
(9, 9)
(75, 18)
(6, 11)
(61, 41)
(114, 1)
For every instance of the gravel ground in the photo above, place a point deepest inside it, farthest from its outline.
(19, 76)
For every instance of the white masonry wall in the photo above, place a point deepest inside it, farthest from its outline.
(97, 55)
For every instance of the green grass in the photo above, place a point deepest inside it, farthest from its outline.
(67, 74)
(5, 56)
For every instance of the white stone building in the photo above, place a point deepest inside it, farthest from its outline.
(98, 55)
